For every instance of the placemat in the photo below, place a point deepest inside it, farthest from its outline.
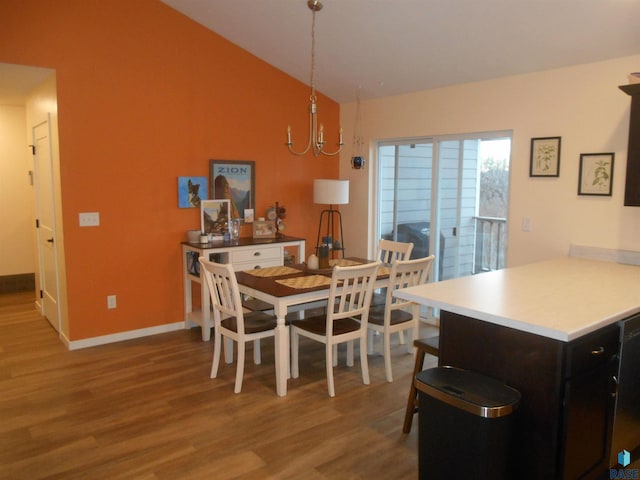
(308, 281)
(343, 262)
(272, 271)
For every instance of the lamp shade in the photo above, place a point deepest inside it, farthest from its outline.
(331, 192)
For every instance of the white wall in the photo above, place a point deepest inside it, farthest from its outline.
(16, 194)
(582, 104)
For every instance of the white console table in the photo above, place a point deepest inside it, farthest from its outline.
(245, 253)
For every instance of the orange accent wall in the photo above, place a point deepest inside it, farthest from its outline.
(146, 95)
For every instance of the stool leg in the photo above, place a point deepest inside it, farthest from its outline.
(412, 402)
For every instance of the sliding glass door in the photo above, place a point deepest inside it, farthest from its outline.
(434, 192)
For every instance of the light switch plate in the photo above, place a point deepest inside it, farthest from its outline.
(89, 219)
(111, 301)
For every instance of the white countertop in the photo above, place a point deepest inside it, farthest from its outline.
(562, 299)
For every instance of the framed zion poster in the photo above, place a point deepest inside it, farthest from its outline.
(235, 181)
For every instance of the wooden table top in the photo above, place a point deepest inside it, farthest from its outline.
(270, 286)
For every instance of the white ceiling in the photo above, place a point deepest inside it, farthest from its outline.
(390, 47)
(16, 81)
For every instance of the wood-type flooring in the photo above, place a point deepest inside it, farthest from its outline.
(147, 409)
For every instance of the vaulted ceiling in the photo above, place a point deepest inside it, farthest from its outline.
(378, 48)
(390, 47)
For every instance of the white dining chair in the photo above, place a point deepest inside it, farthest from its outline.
(229, 319)
(350, 296)
(397, 315)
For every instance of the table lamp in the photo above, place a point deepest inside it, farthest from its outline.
(330, 192)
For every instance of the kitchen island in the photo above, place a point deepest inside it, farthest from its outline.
(550, 330)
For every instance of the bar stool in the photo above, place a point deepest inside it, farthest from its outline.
(424, 345)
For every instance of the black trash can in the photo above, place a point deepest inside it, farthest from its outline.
(465, 425)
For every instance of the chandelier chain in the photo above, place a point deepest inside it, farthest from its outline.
(316, 140)
(313, 56)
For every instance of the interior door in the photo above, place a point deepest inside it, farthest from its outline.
(45, 218)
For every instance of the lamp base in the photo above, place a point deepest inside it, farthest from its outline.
(332, 240)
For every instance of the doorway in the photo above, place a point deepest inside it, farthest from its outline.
(33, 90)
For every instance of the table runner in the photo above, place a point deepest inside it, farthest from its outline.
(308, 281)
(272, 271)
(343, 262)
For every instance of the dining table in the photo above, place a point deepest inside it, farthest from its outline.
(288, 288)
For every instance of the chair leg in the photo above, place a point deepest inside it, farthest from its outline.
(257, 358)
(329, 348)
(217, 344)
(228, 350)
(413, 393)
(415, 331)
(295, 344)
(364, 361)
(350, 354)
(334, 352)
(240, 368)
(370, 342)
(386, 345)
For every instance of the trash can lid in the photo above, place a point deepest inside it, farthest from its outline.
(470, 391)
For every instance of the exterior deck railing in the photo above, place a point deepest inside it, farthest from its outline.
(490, 241)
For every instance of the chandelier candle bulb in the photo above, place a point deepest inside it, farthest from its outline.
(288, 134)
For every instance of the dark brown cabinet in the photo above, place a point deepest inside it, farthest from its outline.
(632, 182)
(588, 404)
(565, 418)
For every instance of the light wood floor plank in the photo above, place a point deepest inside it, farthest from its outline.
(147, 409)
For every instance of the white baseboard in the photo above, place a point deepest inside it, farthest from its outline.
(119, 337)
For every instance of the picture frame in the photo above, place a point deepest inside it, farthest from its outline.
(234, 180)
(264, 229)
(214, 216)
(191, 190)
(596, 174)
(545, 157)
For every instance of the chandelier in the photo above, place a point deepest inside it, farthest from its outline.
(316, 135)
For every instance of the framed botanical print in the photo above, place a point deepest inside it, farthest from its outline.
(596, 174)
(545, 157)
(235, 181)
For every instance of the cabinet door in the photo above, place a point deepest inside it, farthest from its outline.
(588, 421)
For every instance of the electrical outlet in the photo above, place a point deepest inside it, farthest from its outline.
(89, 219)
(111, 301)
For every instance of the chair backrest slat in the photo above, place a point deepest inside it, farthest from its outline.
(350, 293)
(390, 251)
(407, 273)
(224, 292)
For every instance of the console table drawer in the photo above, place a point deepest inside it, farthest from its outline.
(256, 255)
(261, 263)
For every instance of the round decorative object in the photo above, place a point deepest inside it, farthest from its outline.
(357, 163)
(271, 213)
(281, 227)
